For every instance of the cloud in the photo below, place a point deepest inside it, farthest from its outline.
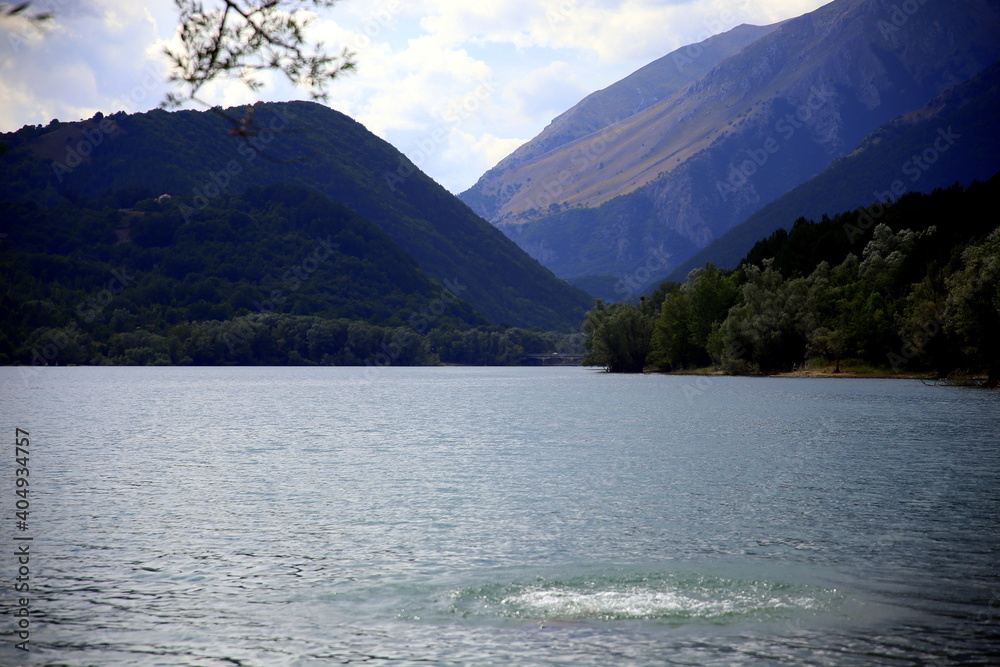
(456, 81)
(91, 54)
(613, 30)
(465, 157)
(543, 92)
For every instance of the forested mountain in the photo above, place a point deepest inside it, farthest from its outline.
(202, 158)
(913, 288)
(277, 275)
(955, 138)
(676, 175)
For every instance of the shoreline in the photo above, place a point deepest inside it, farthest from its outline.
(823, 374)
(875, 375)
(853, 374)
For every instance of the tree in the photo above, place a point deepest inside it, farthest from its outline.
(19, 12)
(617, 337)
(688, 317)
(876, 298)
(712, 294)
(242, 38)
(238, 38)
(828, 343)
(671, 340)
(768, 331)
(921, 327)
(973, 306)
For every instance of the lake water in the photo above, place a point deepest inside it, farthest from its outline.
(495, 516)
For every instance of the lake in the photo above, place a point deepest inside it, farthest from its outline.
(481, 516)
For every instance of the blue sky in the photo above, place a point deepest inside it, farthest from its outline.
(455, 84)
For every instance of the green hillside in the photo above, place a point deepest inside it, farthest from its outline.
(202, 157)
(912, 290)
(98, 282)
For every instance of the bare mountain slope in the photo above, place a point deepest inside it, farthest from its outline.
(645, 87)
(954, 138)
(681, 172)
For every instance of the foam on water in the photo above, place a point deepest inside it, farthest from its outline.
(667, 596)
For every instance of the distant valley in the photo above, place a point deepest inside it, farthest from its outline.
(286, 233)
(671, 158)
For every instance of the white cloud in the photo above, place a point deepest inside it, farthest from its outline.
(463, 83)
(91, 54)
(543, 92)
(465, 156)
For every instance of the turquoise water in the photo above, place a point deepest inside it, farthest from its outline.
(459, 516)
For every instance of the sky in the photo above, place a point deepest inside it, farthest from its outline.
(456, 85)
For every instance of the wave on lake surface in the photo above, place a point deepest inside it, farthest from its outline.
(299, 517)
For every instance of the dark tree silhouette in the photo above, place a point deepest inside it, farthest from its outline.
(245, 129)
(237, 38)
(21, 11)
(241, 38)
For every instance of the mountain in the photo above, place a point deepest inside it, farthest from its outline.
(904, 155)
(201, 158)
(642, 89)
(82, 277)
(668, 180)
(912, 286)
